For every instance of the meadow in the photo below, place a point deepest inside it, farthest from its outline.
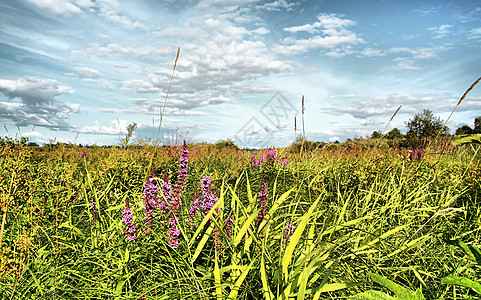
(202, 222)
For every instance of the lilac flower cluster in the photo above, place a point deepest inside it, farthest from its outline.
(416, 154)
(151, 188)
(271, 156)
(204, 204)
(262, 202)
(179, 185)
(128, 219)
(288, 232)
(175, 195)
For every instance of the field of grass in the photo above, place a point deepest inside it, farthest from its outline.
(124, 223)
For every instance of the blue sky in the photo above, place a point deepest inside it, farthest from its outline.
(80, 71)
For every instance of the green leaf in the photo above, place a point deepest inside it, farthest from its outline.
(401, 292)
(372, 295)
(468, 139)
(463, 281)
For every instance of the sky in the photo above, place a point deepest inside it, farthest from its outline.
(81, 71)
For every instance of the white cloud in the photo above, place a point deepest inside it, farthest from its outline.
(115, 127)
(331, 32)
(38, 105)
(419, 53)
(112, 11)
(140, 86)
(385, 106)
(278, 5)
(63, 8)
(103, 83)
(441, 31)
(475, 33)
(89, 72)
(261, 31)
(333, 139)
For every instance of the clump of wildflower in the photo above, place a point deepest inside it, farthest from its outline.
(416, 154)
(208, 199)
(173, 233)
(179, 185)
(84, 153)
(93, 210)
(270, 157)
(151, 190)
(128, 219)
(288, 232)
(262, 202)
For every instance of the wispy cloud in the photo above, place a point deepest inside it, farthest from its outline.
(88, 72)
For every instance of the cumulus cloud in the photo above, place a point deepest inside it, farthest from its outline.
(112, 11)
(38, 105)
(278, 5)
(329, 32)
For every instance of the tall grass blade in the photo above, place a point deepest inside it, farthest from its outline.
(286, 259)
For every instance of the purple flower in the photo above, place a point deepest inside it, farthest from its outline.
(179, 185)
(151, 189)
(208, 199)
(84, 153)
(416, 154)
(288, 232)
(128, 219)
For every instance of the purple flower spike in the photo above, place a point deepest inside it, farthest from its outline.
(128, 219)
(288, 232)
(151, 189)
(179, 185)
(173, 233)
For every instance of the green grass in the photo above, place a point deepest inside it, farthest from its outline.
(365, 223)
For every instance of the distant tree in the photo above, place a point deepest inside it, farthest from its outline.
(477, 125)
(376, 135)
(424, 126)
(395, 133)
(226, 144)
(464, 130)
